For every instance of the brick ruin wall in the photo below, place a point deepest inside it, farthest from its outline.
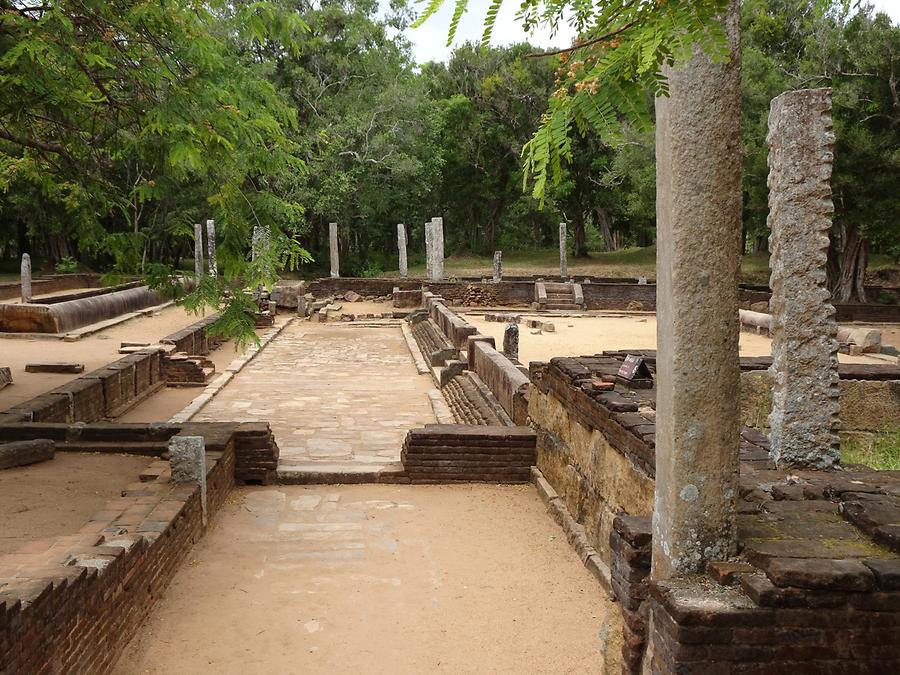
(817, 588)
(71, 603)
(870, 402)
(109, 391)
(599, 293)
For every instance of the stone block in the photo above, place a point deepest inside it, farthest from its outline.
(54, 367)
(22, 453)
(187, 459)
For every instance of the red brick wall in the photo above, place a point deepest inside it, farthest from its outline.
(71, 604)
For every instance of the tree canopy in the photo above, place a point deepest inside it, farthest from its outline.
(124, 122)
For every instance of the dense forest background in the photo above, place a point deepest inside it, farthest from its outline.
(124, 122)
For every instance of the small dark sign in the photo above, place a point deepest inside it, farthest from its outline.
(634, 368)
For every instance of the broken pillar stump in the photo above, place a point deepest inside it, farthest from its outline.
(22, 453)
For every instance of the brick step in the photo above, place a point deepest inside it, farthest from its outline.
(467, 460)
(444, 444)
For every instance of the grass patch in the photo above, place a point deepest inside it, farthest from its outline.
(882, 454)
(625, 263)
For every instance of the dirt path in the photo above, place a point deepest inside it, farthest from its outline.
(57, 497)
(335, 394)
(93, 351)
(377, 579)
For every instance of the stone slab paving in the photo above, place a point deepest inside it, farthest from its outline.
(378, 579)
(340, 398)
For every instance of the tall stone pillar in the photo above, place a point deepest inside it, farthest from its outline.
(333, 248)
(198, 252)
(429, 228)
(698, 213)
(437, 245)
(25, 274)
(401, 247)
(211, 247)
(805, 389)
(498, 265)
(563, 262)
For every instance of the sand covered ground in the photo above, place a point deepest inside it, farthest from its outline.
(378, 579)
(57, 497)
(578, 336)
(93, 351)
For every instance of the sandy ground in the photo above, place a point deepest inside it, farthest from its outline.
(578, 336)
(377, 579)
(93, 351)
(57, 497)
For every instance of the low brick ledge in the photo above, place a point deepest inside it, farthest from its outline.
(70, 604)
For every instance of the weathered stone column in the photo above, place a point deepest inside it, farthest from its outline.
(563, 261)
(401, 247)
(198, 252)
(333, 248)
(805, 389)
(698, 212)
(437, 246)
(211, 247)
(429, 227)
(511, 341)
(498, 265)
(187, 460)
(25, 274)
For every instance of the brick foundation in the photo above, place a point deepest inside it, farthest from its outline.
(70, 604)
(817, 586)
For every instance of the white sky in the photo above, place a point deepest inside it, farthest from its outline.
(429, 41)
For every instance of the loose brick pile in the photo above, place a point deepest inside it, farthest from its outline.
(184, 370)
(449, 453)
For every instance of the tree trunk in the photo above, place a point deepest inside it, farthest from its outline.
(846, 268)
(605, 223)
(579, 250)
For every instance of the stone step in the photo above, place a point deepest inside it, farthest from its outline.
(571, 306)
(324, 473)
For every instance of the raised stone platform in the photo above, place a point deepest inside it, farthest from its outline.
(819, 550)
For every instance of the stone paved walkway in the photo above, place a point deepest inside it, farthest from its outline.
(340, 398)
(378, 579)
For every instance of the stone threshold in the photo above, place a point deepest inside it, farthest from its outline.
(340, 473)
